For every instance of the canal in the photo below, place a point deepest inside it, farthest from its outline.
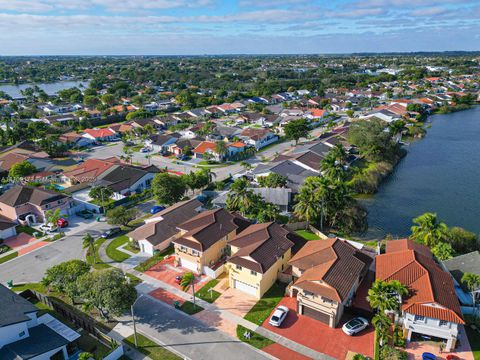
(50, 88)
(440, 174)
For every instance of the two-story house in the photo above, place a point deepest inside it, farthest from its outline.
(258, 255)
(23, 335)
(432, 307)
(158, 231)
(27, 204)
(203, 240)
(326, 275)
(258, 138)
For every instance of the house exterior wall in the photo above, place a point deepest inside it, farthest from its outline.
(206, 258)
(49, 354)
(4, 234)
(262, 282)
(13, 332)
(430, 327)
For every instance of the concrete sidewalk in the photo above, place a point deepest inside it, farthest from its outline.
(149, 284)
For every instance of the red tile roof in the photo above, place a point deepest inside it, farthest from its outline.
(204, 146)
(432, 293)
(99, 133)
(89, 170)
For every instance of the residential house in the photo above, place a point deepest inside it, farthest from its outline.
(259, 254)
(431, 308)
(100, 135)
(75, 140)
(25, 335)
(458, 266)
(27, 204)
(182, 144)
(87, 172)
(325, 277)
(161, 142)
(296, 173)
(281, 197)
(158, 231)
(202, 244)
(7, 228)
(258, 138)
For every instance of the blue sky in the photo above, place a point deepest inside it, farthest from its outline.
(163, 27)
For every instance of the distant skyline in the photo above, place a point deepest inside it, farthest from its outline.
(196, 27)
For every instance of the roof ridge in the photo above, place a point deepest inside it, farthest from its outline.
(430, 288)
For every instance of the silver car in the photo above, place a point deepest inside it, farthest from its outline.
(278, 316)
(355, 325)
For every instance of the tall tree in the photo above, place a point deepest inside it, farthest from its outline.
(429, 230)
(88, 242)
(188, 280)
(296, 129)
(382, 324)
(472, 282)
(168, 189)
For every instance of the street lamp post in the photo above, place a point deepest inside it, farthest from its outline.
(133, 320)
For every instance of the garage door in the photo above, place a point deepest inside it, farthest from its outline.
(315, 314)
(190, 265)
(246, 288)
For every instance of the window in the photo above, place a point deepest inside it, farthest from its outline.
(254, 273)
(195, 252)
(22, 334)
(47, 206)
(419, 318)
(443, 323)
(238, 267)
(183, 248)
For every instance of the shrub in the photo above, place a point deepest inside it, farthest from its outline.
(390, 353)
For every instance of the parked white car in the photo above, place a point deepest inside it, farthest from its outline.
(354, 326)
(48, 228)
(278, 316)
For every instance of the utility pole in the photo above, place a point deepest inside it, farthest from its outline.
(134, 326)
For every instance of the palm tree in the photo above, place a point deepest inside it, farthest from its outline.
(472, 282)
(340, 154)
(384, 296)
(88, 242)
(128, 154)
(331, 168)
(396, 128)
(188, 280)
(429, 230)
(221, 148)
(308, 206)
(240, 197)
(382, 324)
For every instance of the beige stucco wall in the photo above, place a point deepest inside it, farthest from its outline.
(264, 281)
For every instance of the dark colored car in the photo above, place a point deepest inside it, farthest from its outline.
(157, 208)
(62, 223)
(111, 232)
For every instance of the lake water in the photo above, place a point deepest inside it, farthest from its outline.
(49, 88)
(441, 174)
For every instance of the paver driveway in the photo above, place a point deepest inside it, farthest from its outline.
(236, 301)
(319, 336)
(166, 271)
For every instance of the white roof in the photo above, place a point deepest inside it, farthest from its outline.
(59, 327)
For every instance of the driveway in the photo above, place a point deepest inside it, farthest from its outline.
(236, 301)
(166, 271)
(187, 335)
(319, 336)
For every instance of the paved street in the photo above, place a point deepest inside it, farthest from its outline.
(188, 335)
(31, 267)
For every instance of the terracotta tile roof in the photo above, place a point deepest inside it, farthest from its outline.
(99, 133)
(432, 293)
(89, 170)
(317, 112)
(157, 232)
(205, 229)
(330, 267)
(255, 133)
(237, 144)
(204, 146)
(69, 137)
(122, 127)
(260, 246)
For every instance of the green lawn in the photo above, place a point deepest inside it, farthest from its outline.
(32, 286)
(307, 235)
(99, 265)
(8, 257)
(133, 279)
(28, 230)
(209, 296)
(190, 309)
(112, 251)
(255, 340)
(151, 349)
(147, 264)
(262, 309)
(474, 340)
